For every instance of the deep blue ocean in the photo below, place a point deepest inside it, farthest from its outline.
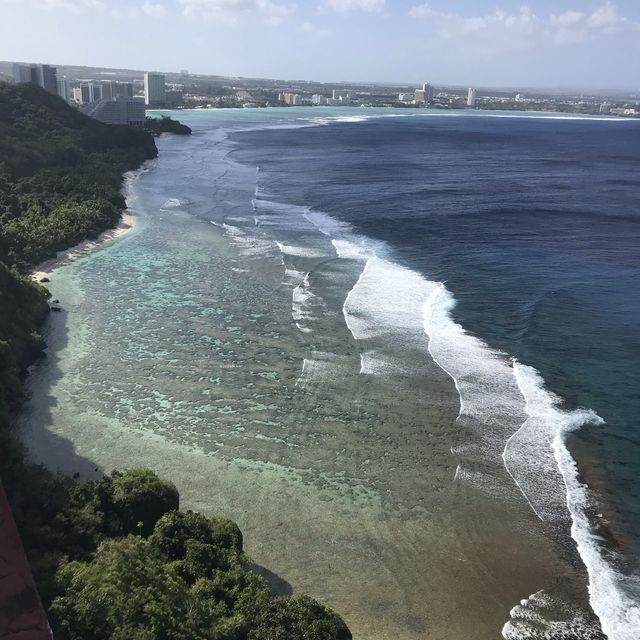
(534, 226)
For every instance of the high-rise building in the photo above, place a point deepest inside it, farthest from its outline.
(87, 92)
(64, 90)
(154, 89)
(290, 98)
(419, 96)
(24, 73)
(428, 92)
(108, 89)
(471, 98)
(40, 74)
(48, 78)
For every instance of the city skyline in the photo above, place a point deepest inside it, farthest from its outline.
(569, 45)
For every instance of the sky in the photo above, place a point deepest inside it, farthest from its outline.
(484, 43)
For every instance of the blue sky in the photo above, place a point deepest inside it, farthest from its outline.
(543, 43)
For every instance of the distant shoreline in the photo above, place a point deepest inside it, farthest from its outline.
(126, 223)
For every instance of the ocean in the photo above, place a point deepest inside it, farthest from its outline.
(400, 348)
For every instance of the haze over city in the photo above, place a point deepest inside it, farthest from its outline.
(568, 44)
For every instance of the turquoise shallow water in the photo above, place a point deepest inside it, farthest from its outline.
(293, 367)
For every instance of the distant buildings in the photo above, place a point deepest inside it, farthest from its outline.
(471, 98)
(154, 89)
(340, 97)
(41, 74)
(292, 99)
(632, 112)
(119, 110)
(341, 94)
(87, 93)
(318, 99)
(419, 96)
(113, 89)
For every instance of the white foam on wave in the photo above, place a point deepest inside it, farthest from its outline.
(247, 244)
(305, 305)
(533, 619)
(324, 121)
(608, 590)
(326, 224)
(490, 400)
(300, 252)
(539, 477)
(385, 299)
(350, 250)
(536, 456)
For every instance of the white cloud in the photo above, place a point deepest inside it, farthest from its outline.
(230, 11)
(567, 19)
(311, 29)
(606, 17)
(501, 31)
(74, 6)
(154, 9)
(346, 6)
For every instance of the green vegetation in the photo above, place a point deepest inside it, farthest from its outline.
(113, 559)
(165, 124)
(60, 173)
(179, 575)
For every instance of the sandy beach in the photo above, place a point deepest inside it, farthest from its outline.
(126, 224)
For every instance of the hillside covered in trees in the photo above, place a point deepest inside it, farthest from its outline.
(113, 559)
(60, 182)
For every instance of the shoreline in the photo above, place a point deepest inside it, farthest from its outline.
(126, 223)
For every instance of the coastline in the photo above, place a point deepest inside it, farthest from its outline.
(126, 223)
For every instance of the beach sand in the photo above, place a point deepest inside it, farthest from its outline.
(126, 224)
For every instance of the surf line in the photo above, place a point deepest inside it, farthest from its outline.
(427, 315)
(529, 413)
(428, 309)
